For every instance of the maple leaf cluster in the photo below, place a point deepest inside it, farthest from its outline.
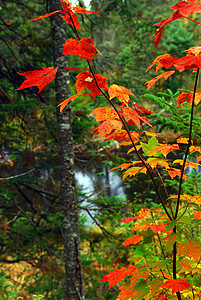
(146, 278)
(183, 9)
(191, 61)
(83, 48)
(157, 288)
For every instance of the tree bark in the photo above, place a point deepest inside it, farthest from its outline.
(68, 195)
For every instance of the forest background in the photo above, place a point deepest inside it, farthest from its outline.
(31, 241)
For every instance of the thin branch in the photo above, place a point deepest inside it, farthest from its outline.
(127, 130)
(188, 146)
(18, 175)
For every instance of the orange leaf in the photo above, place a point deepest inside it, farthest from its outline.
(189, 198)
(65, 102)
(188, 97)
(46, 15)
(191, 249)
(155, 79)
(187, 62)
(174, 172)
(183, 141)
(122, 135)
(187, 164)
(187, 8)
(127, 293)
(116, 276)
(143, 212)
(122, 166)
(194, 149)
(104, 113)
(142, 109)
(120, 92)
(197, 98)
(194, 50)
(176, 285)
(85, 79)
(185, 97)
(83, 48)
(182, 8)
(131, 116)
(133, 171)
(197, 215)
(162, 61)
(140, 227)
(129, 219)
(154, 162)
(39, 78)
(176, 15)
(133, 240)
(157, 227)
(107, 127)
(164, 149)
(81, 10)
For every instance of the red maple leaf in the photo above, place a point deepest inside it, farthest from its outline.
(174, 172)
(197, 215)
(176, 285)
(104, 113)
(185, 97)
(164, 149)
(143, 109)
(69, 16)
(127, 293)
(116, 276)
(154, 162)
(65, 102)
(72, 98)
(122, 135)
(187, 62)
(194, 149)
(66, 5)
(182, 8)
(157, 227)
(128, 219)
(80, 10)
(176, 15)
(120, 92)
(187, 7)
(131, 116)
(107, 127)
(46, 15)
(83, 48)
(155, 79)
(133, 240)
(194, 50)
(165, 60)
(39, 78)
(85, 79)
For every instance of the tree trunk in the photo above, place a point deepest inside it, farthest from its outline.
(68, 195)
